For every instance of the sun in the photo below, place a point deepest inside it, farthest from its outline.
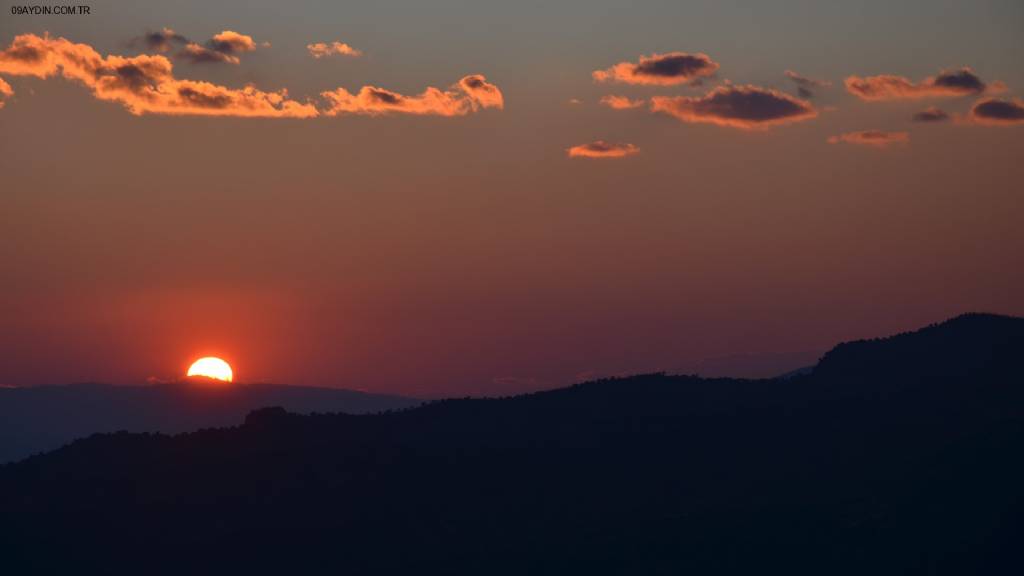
(211, 367)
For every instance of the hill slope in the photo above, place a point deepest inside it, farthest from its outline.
(47, 417)
(894, 456)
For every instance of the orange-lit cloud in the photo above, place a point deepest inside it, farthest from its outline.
(470, 94)
(806, 86)
(322, 49)
(667, 69)
(202, 55)
(223, 47)
(231, 42)
(621, 102)
(998, 112)
(931, 114)
(5, 92)
(602, 149)
(483, 93)
(876, 138)
(143, 84)
(948, 83)
(746, 107)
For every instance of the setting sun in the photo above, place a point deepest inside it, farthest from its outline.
(211, 367)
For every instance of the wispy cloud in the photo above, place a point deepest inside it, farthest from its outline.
(875, 138)
(931, 114)
(5, 92)
(602, 149)
(948, 83)
(163, 40)
(806, 87)
(225, 47)
(667, 69)
(469, 94)
(621, 102)
(745, 107)
(323, 49)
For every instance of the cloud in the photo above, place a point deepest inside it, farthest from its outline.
(469, 94)
(963, 80)
(230, 42)
(948, 83)
(746, 107)
(146, 84)
(5, 92)
(876, 138)
(931, 114)
(485, 94)
(602, 149)
(143, 84)
(223, 47)
(161, 41)
(621, 102)
(202, 55)
(660, 69)
(998, 112)
(806, 86)
(322, 49)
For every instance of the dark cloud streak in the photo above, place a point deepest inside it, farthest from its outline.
(999, 112)
(667, 69)
(805, 86)
(161, 41)
(931, 114)
(746, 107)
(873, 138)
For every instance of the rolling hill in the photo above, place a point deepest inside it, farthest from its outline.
(37, 419)
(899, 455)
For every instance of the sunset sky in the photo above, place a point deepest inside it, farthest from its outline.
(467, 197)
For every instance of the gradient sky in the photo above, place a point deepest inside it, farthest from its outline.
(472, 254)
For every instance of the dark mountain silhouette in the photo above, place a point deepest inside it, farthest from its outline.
(47, 417)
(893, 456)
(763, 365)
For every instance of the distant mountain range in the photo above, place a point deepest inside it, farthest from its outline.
(44, 418)
(899, 455)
